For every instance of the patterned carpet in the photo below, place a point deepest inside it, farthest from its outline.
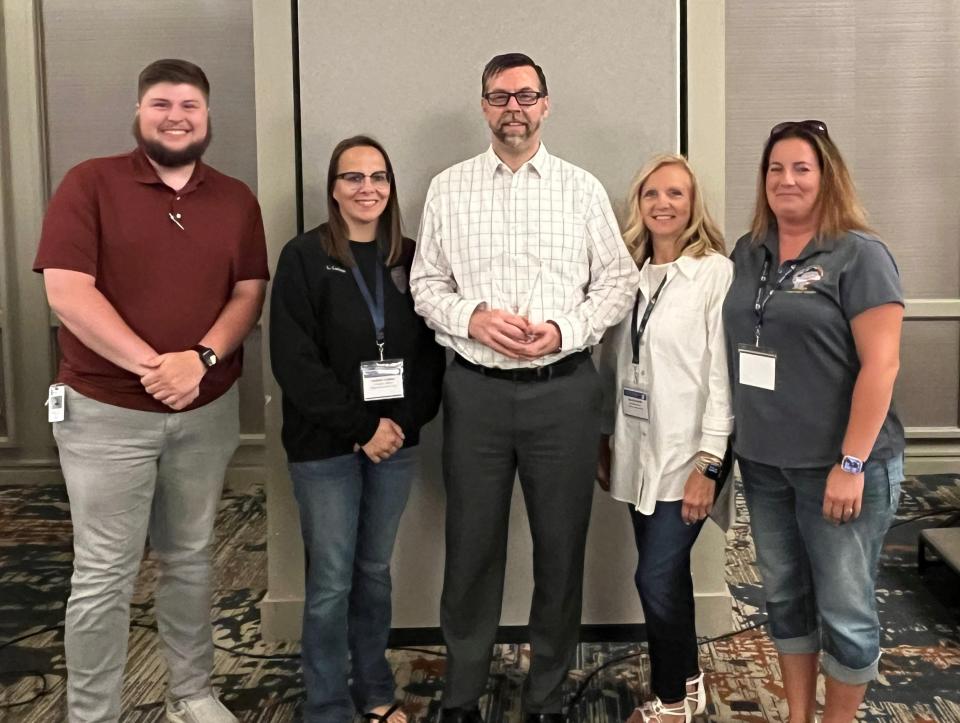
(919, 670)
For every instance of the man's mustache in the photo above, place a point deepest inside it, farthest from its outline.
(512, 118)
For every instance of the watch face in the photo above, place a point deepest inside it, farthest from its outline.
(852, 465)
(712, 471)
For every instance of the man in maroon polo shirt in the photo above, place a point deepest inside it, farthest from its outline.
(156, 265)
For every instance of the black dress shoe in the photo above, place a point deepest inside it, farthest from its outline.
(546, 718)
(461, 715)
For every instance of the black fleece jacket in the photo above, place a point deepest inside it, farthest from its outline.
(320, 331)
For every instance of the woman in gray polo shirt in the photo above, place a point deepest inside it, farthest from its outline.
(813, 323)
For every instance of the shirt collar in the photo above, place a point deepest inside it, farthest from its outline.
(685, 264)
(144, 172)
(814, 245)
(539, 163)
(688, 265)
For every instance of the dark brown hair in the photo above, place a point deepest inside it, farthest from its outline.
(500, 63)
(173, 70)
(336, 242)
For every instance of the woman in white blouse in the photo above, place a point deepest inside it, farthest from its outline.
(667, 409)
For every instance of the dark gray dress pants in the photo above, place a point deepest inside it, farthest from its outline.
(493, 429)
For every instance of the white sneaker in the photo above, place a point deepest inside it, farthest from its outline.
(199, 710)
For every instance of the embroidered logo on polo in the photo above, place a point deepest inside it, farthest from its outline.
(331, 267)
(803, 278)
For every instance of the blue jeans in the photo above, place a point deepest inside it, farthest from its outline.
(666, 594)
(350, 510)
(819, 578)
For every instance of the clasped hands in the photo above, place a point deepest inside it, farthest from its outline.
(384, 443)
(513, 335)
(174, 378)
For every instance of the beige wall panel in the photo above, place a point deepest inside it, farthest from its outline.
(885, 77)
(95, 50)
(929, 382)
(417, 88)
(613, 94)
(785, 60)
(908, 138)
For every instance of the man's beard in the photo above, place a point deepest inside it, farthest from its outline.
(514, 139)
(163, 156)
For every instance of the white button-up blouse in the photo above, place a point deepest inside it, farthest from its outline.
(683, 368)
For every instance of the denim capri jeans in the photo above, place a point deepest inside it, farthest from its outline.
(819, 578)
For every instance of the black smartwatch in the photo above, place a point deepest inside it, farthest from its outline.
(712, 471)
(207, 355)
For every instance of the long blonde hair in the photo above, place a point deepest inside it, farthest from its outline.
(701, 234)
(838, 204)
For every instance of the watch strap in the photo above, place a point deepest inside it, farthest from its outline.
(207, 355)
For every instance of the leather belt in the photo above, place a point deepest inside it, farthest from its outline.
(560, 368)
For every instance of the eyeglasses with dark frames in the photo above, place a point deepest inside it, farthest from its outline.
(817, 127)
(500, 98)
(354, 179)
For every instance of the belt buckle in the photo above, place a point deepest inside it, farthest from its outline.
(543, 373)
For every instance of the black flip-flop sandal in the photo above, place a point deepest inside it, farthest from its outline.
(382, 717)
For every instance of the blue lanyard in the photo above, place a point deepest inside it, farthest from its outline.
(760, 304)
(376, 308)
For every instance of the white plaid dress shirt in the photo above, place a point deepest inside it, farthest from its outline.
(542, 243)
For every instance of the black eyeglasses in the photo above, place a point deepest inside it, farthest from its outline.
(354, 179)
(817, 127)
(500, 98)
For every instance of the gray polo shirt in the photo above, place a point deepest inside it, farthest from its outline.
(802, 422)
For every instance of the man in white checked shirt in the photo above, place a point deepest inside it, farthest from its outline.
(520, 268)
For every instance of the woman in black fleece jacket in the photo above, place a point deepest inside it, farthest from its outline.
(352, 461)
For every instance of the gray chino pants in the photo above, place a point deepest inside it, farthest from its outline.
(130, 474)
(548, 432)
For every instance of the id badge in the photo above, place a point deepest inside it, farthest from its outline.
(56, 403)
(636, 402)
(382, 379)
(758, 366)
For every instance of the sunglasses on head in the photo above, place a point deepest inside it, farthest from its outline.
(816, 127)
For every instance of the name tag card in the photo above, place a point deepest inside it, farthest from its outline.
(382, 379)
(758, 367)
(636, 402)
(56, 403)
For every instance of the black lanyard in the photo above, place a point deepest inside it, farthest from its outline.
(760, 304)
(376, 308)
(636, 333)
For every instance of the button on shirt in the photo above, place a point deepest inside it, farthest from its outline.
(683, 368)
(542, 243)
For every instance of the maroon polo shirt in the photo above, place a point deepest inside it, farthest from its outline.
(110, 218)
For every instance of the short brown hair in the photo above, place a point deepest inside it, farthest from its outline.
(838, 204)
(173, 70)
(500, 63)
(336, 242)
